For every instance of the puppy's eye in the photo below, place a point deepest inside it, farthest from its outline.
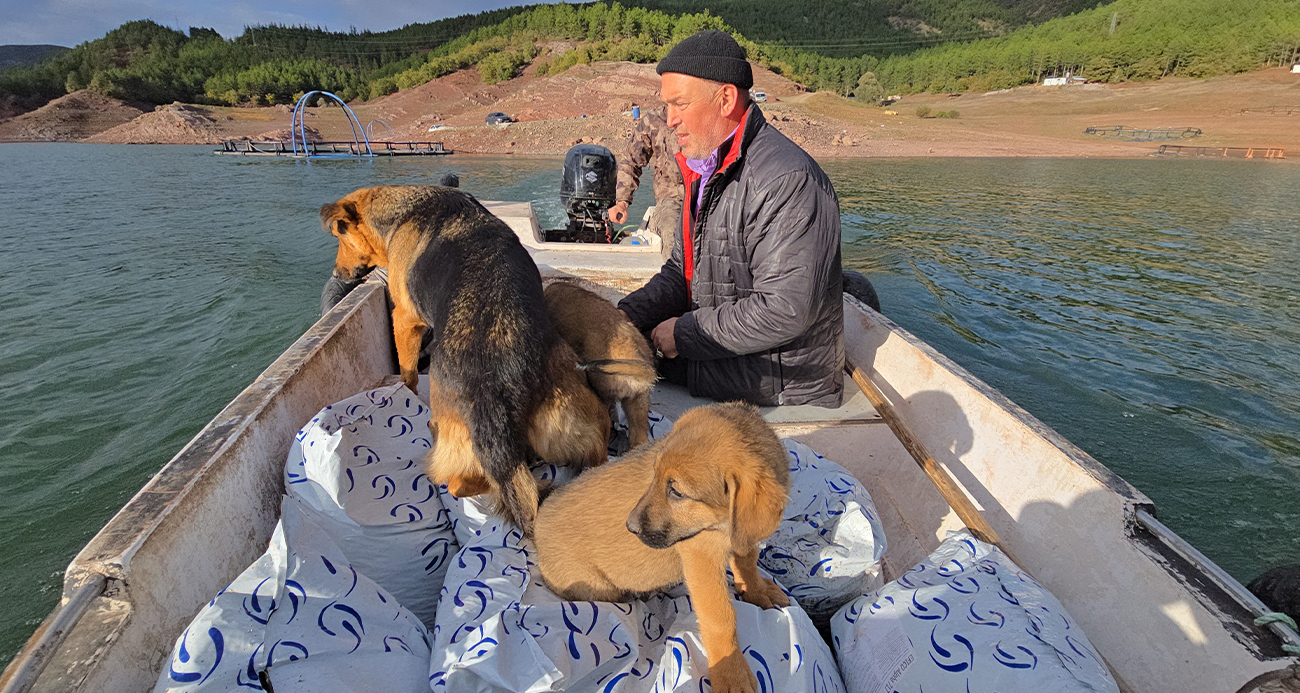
(673, 493)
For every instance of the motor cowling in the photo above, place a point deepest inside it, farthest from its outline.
(586, 192)
(590, 177)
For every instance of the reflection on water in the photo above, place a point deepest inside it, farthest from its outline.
(1142, 308)
(1147, 310)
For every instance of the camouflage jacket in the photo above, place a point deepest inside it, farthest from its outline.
(653, 143)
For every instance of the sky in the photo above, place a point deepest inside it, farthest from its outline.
(69, 22)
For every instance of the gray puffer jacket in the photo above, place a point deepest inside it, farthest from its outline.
(759, 292)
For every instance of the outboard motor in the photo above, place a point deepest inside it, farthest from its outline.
(587, 192)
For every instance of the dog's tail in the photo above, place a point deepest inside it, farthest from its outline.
(628, 368)
(501, 444)
(518, 500)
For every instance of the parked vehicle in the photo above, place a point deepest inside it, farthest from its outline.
(497, 118)
(758, 96)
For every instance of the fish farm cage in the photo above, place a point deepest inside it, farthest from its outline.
(1128, 134)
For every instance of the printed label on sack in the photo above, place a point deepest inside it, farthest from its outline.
(880, 655)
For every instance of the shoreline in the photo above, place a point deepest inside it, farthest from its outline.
(591, 104)
(822, 155)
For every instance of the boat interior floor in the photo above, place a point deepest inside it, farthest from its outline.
(673, 400)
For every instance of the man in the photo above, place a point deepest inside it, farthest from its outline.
(653, 143)
(749, 306)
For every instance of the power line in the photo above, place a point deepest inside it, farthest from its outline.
(886, 42)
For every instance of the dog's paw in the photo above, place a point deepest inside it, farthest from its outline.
(765, 594)
(732, 675)
(412, 381)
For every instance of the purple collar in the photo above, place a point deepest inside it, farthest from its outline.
(708, 166)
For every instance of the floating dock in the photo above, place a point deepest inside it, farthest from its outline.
(1230, 152)
(316, 150)
(1126, 133)
(301, 147)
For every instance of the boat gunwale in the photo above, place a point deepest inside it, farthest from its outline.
(1198, 574)
(1089, 464)
(1173, 550)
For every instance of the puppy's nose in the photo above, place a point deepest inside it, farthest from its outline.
(634, 522)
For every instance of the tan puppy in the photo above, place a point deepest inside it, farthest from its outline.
(676, 511)
(502, 380)
(614, 354)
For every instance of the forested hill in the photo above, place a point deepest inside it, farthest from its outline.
(1126, 40)
(18, 55)
(146, 62)
(863, 47)
(876, 27)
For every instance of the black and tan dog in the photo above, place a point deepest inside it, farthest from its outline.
(678, 510)
(501, 379)
(613, 352)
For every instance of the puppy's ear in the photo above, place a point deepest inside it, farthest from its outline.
(757, 505)
(338, 217)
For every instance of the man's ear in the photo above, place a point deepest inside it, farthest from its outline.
(729, 99)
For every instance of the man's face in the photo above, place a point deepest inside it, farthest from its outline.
(697, 112)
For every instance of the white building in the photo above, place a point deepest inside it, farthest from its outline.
(1069, 78)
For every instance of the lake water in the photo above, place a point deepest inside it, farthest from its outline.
(1147, 310)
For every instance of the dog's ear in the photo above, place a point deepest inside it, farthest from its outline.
(757, 505)
(339, 217)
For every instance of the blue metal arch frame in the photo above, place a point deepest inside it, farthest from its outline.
(298, 128)
(370, 129)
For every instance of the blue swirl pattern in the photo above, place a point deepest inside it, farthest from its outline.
(827, 550)
(499, 628)
(965, 619)
(254, 626)
(358, 468)
(365, 535)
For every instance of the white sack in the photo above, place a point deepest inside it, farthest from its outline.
(358, 466)
(827, 550)
(303, 614)
(965, 619)
(500, 629)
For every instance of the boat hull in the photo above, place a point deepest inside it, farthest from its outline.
(1157, 613)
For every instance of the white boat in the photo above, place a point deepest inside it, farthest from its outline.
(1164, 617)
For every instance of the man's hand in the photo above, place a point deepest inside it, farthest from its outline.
(618, 213)
(662, 336)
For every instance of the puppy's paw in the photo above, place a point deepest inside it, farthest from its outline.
(732, 675)
(765, 594)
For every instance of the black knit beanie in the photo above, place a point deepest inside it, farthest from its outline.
(712, 55)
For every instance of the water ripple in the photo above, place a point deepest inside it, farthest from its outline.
(148, 285)
(1147, 310)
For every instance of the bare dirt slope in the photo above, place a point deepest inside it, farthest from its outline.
(590, 103)
(174, 124)
(1257, 109)
(586, 103)
(68, 119)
